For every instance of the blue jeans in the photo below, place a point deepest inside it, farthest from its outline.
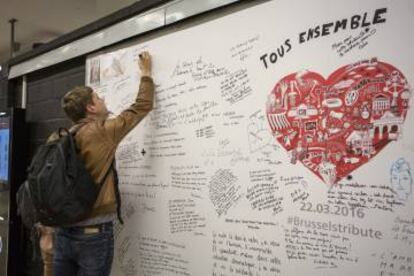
(81, 251)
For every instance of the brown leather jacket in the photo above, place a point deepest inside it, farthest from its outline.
(98, 140)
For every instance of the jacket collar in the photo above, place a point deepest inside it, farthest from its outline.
(76, 126)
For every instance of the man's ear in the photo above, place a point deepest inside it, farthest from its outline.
(90, 108)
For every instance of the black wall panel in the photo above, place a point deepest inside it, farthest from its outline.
(45, 89)
(4, 88)
(3, 93)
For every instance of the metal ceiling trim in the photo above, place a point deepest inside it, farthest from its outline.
(153, 19)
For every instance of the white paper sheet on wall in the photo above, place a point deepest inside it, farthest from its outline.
(279, 143)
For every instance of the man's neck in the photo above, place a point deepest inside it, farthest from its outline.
(96, 117)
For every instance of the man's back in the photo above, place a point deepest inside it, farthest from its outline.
(97, 141)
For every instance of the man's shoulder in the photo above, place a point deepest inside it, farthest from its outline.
(93, 129)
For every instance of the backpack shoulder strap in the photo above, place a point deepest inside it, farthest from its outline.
(111, 167)
(117, 193)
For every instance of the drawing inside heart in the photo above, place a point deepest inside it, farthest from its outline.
(335, 125)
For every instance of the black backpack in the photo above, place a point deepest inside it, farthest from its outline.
(59, 190)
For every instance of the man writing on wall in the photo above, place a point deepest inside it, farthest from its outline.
(87, 247)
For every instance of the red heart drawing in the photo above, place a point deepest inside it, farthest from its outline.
(336, 125)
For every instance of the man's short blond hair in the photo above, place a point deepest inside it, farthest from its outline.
(75, 101)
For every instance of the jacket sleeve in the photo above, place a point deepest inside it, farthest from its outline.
(118, 127)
